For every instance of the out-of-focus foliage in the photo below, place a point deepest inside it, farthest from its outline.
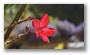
(6, 6)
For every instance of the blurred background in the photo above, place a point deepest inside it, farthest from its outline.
(67, 19)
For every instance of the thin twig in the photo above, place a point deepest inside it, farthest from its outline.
(27, 19)
(15, 39)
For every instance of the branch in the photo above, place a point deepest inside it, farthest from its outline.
(27, 19)
(19, 13)
(16, 38)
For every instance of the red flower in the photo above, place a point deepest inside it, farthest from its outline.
(41, 28)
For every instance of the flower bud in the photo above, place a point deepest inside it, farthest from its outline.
(27, 28)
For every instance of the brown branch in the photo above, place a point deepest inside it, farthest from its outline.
(19, 13)
(16, 38)
(27, 19)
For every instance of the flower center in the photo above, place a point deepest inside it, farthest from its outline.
(40, 29)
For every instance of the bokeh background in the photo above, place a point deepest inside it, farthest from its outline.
(67, 19)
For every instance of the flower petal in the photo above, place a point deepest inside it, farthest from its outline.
(37, 34)
(36, 23)
(49, 31)
(44, 21)
(44, 37)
